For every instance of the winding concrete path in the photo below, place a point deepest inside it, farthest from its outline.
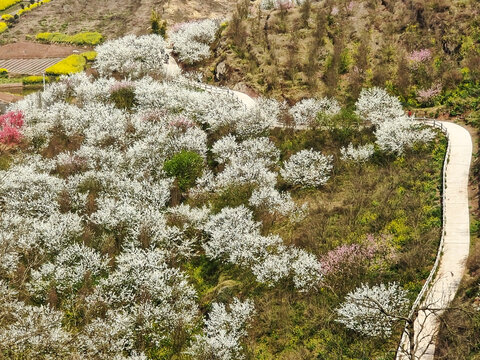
(455, 249)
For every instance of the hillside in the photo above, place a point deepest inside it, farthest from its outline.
(153, 219)
(423, 51)
(111, 18)
(144, 215)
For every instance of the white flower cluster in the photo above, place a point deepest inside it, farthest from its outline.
(88, 214)
(144, 296)
(306, 111)
(307, 168)
(395, 131)
(372, 310)
(31, 330)
(223, 331)
(68, 271)
(377, 106)
(357, 154)
(249, 161)
(234, 237)
(191, 41)
(131, 56)
(402, 133)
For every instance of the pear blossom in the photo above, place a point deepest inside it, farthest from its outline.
(357, 154)
(372, 310)
(305, 112)
(307, 168)
(223, 331)
(192, 40)
(131, 55)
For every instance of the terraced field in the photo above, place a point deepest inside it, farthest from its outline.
(28, 66)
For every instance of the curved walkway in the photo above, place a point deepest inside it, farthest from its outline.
(456, 244)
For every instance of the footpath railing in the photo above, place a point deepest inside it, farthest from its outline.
(208, 88)
(428, 282)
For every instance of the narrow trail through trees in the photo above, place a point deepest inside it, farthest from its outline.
(456, 244)
(454, 247)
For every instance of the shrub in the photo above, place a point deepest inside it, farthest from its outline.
(83, 38)
(5, 4)
(32, 80)
(123, 95)
(3, 27)
(7, 17)
(10, 125)
(89, 55)
(69, 65)
(186, 166)
(3, 72)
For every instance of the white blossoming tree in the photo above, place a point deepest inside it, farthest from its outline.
(223, 332)
(396, 136)
(394, 130)
(359, 154)
(307, 168)
(373, 310)
(191, 41)
(131, 56)
(377, 106)
(307, 111)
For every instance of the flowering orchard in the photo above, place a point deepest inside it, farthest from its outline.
(111, 247)
(191, 41)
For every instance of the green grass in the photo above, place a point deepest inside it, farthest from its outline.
(13, 80)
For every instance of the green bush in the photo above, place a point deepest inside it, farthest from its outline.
(186, 167)
(33, 80)
(83, 38)
(123, 98)
(3, 72)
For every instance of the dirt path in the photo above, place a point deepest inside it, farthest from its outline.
(9, 98)
(32, 50)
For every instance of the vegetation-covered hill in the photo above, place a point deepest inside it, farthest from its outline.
(426, 52)
(150, 219)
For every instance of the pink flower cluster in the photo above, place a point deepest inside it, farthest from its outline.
(10, 125)
(343, 256)
(424, 96)
(420, 56)
(346, 256)
(350, 6)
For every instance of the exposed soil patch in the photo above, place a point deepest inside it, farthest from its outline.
(112, 18)
(32, 50)
(9, 98)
